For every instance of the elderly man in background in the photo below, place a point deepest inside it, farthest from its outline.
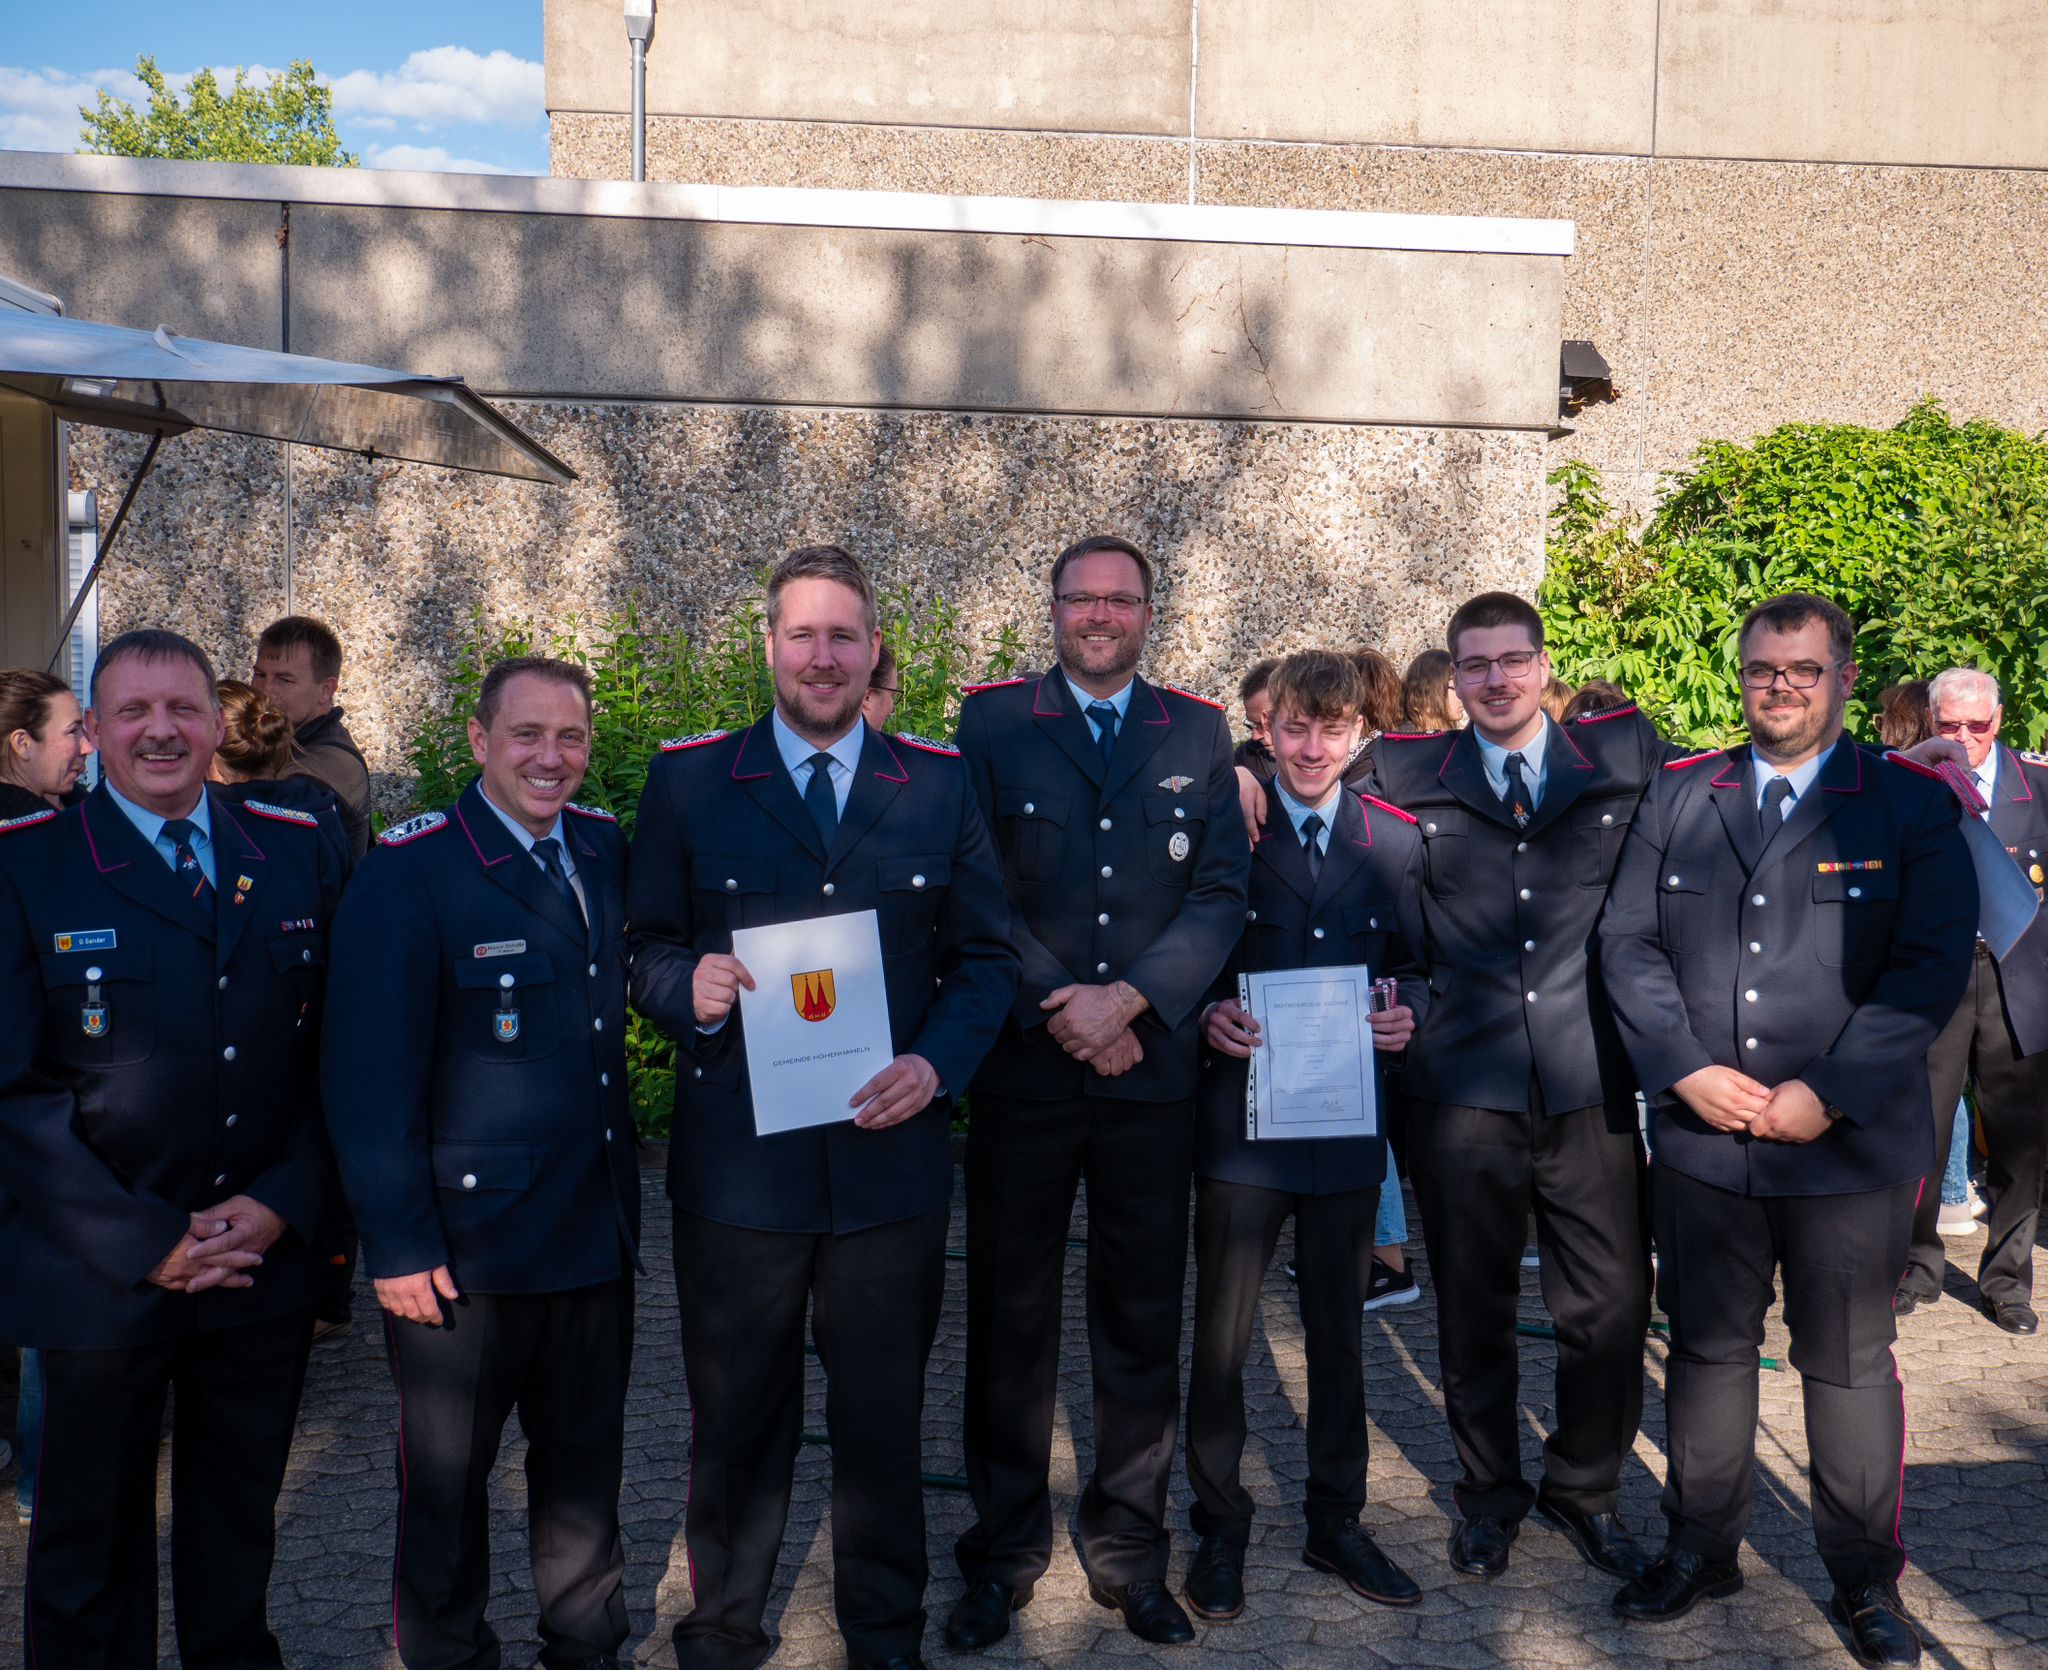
(1998, 1038)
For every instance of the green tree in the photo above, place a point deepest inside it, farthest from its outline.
(289, 118)
(1932, 534)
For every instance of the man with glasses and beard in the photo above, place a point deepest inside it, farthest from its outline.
(1998, 1038)
(1788, 931)
(1115, 808)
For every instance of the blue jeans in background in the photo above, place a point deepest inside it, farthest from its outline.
(1391, 1229)
(1955, 1182)
(28, 1430)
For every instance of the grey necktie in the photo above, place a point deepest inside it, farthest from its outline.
(1771, 813)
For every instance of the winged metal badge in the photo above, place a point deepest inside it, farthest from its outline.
(1173, 785)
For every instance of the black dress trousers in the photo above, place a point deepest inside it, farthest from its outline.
(1025, 1161)
(1477, 1173)
(92, 1572)
(561, 1360)
(1977, 1047)
(1236, 1229)
(1838, 1256)
(874, 1297)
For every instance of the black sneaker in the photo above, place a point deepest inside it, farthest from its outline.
(1389, 1286)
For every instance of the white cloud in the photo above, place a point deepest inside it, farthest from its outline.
(39, 108)
(446, 84)
(434, 159)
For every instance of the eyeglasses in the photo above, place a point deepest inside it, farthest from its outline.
(1801, 675)
(1084, 602)
(1515, 663)
(1956, 727)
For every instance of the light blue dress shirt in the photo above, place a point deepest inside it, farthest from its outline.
(1297, 813)
(152, 830)
(796, 758)
(1800, 777)
(526, 838)
(1121, 701)
(1495, 759)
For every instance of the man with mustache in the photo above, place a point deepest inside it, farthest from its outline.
(808, 813)
(1789, 929)
(1125, 863)
(162, 957)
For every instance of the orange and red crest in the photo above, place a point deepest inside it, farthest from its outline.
(813, 994)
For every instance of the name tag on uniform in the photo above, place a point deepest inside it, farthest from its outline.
(499, 948)
(86, 939)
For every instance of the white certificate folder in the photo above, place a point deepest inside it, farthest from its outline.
(817, 1020)
(1312, 1074)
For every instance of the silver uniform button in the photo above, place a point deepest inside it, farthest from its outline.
(1251, 916)
(732, 884)
(1104, 824)
(1180, 811)
(221, 1180)
(1102, 968)
(1606, 820)
(917, 881)
(598, 1024)
(1528, 945)
(607, 1135)
(505, 980)
(604, 1078)
(233, 1120)
(223, 982)
(1532, 997)
(696, 1072)
(228, 1054)
(1320, 934)
(1525, 893)
(1855, 892)
(1372, 921)
(1029, 808)
(1755, 947)
(1103, 919)
(305, 956)
(1429, 829)
(94, 973)
(1757, 899)
(1750, 995)
(1749, 1043)
(469, 1179)
(1670, 881)
(831, 887)
(593, 971)
(1107, 872)
(1521, 846)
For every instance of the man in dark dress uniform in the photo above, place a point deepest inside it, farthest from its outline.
(812, 813)
(1519, 1095)
(1997, 1039)
(1336, 881)
(475, 1073)
(162, 955)
(1124, 857)
(1789, 930)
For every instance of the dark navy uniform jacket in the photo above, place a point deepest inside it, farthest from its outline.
(475, 1065)
(724, 842)
(2019, 818)
(1834, 953)
(1509, 915)
(197, 1082)
(1136, 874)
(1366, 907)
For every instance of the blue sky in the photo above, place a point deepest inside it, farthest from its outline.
(451, 84)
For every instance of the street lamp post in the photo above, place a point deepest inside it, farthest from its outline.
(639, 30)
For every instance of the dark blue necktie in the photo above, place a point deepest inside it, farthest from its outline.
(1312, 846)
(1771, 814)
(1104, 715)
(1518, 796)
(185, 861)
(819, 800)
(549, 852)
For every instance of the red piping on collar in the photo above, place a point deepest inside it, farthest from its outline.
(2019, 775)
(901, 776)
(1388, 806)
(1164, 718)
(1605, 714)
(1038, 712)
(1857, 755)
(740, 754)
(473, 847)
(248, 840)
(1584, 764)
(93, 846)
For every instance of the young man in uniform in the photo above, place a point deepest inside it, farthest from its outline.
(1336, 881)
(476, 1075)
(1790, 929)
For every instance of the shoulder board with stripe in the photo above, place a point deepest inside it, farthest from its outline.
(678, 743)
(27, 820)
(1388, 806)
(1694, 759)
(1411, 736)
(927, 744)
(1191, 696)
(1601, 715)
(1915, 765)
(998, 684)
(412, 829)
(280, 814)
(2033, 758)
(597, 812)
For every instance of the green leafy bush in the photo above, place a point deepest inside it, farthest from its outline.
(648, 686)
(1933, 535)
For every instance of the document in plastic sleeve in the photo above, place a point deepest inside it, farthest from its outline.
(1312, 1074)
(816, 1023)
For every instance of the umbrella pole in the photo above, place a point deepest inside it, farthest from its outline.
(99, 560)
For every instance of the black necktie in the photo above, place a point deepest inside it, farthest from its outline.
(1104, 715)
(1518, 797)
(819, 800)
(1772, 813)
(1311, 847)
(185, 861)
(549, 852)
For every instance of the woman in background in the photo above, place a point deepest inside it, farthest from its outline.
(1428, 700)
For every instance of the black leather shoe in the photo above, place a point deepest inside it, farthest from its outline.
(981, 1617)
(1363, 1564)
(1479, 1547)
(1602, 1540)
(1215, 1585)
(911, 1662)
(1879, 1630)
(2013, 1315)
(1677, 1581)
(1150, 1612)
(1905, 1302)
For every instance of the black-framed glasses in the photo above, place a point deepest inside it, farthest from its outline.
(1801, 675)
(1117, 602)
(1515, 663)
(1956, 727)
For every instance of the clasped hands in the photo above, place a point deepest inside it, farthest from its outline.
(220, 1246)
(1229, 1029)
(1732, 1101)
(1093, 1025)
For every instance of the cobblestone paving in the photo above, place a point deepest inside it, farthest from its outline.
(1976, 1518)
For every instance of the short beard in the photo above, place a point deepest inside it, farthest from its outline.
(1073, 655)
(837, 723)
(1804, 727)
